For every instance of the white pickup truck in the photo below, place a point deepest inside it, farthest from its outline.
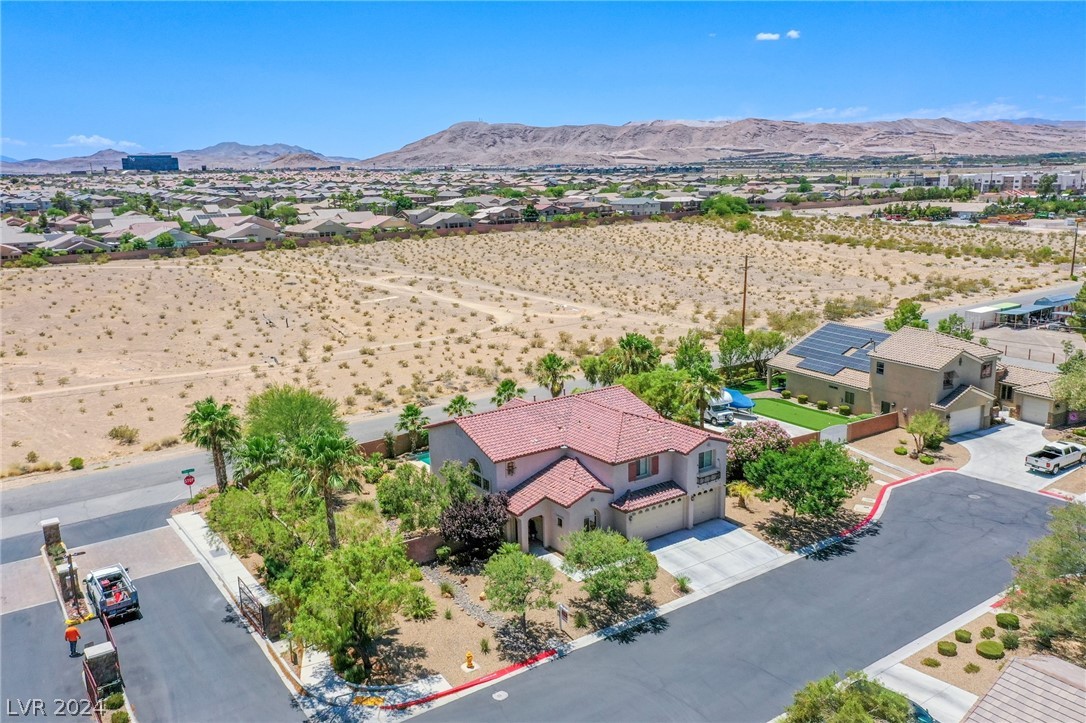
(1056, 456)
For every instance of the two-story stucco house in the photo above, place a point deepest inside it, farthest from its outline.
(601, 458)
(906, 372)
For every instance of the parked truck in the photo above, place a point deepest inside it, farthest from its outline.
(110, 592)
(1056, 456)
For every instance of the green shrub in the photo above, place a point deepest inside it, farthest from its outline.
(124, 434)
(931, 662)
(822, 404)
(447, 589)
(1007, 621)
(786, 394)
(419, 606)
(901, 450)
(443, 554)
(926, 459)
(683, 583)
(947, 648)
(990, 649)
(289, 244)
(1010, 640)
(1080, 432)
(844, 410)
(76, 463)
(448, 613)
(646, 588)
(114, 701)
(963, 636)
(119, 716)
(971, 668)
(484, 646)
(580, 619)
(987, 632)
(802, 399)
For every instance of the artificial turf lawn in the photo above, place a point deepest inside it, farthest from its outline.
(793, 413)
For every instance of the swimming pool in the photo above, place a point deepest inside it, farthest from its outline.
(423, 457)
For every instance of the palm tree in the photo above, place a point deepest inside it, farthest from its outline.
(507, 389)
(213, 427)
(254, 456)
(590, 367)
(412, 421)
(324, 463)
(552, 372)
(636, 354)
(701, 385)
(459, 406)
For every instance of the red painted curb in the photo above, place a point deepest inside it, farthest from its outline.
(878, 500)
(473, 683)
(1057, 495)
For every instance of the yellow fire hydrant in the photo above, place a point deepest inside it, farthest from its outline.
(469, 661)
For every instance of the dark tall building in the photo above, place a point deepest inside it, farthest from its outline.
(150, 163)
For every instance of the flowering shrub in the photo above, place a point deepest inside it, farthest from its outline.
(748, 442)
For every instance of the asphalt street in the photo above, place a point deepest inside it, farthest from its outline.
(941, 547)
(190, 657)
(34, 662)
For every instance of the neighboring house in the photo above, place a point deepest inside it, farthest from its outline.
(8, 253)
(1028, 393)
(69, 223)
(909, 371)
(446, 219)
(497, 215)
(382, 223)
(641, 206)
(680, 203)
(601, 458)
(1037, 689)
(69, 243)
(245, 232)
(319, 228)
(415, 216)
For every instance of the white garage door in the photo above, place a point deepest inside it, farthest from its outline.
(707, 505)
(967, 420)
(1034, 410)
(654, 522)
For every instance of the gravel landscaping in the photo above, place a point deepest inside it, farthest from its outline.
(883, 445)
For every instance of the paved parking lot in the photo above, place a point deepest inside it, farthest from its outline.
(940, 548)
(713, 553)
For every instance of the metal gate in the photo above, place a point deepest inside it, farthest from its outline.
(260, 608)
(251, 607)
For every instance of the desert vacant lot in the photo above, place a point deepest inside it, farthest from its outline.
(89, 347)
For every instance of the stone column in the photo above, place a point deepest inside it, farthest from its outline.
(69, 580)
(51, 530)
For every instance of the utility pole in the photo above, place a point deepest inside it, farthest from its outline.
(1074, 252)
(745, 257)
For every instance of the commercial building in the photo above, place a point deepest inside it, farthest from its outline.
(158, 162)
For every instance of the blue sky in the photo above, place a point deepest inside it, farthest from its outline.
(358, 79)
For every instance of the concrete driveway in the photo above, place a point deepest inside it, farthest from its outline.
(940, 548)
(999, 454)
(713, 554)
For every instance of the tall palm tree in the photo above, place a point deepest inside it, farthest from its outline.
(552, 372)
(254, 456)
(213, 427)
(324, 463)
(506, 390)
(636, 354)
(412, 421)
(459, 406)
(701, 385)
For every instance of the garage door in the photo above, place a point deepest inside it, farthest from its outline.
(657, 521)
(1034, 410)
(967, 420)
(707, 505)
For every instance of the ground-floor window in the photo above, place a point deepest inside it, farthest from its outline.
(885, 407)
(850, 397)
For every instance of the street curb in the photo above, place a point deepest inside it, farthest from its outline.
(56, 591)
(1057, 495)
(872, 516)
(535, 659)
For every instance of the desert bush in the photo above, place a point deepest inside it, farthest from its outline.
(786, 394)
(443, 554)
(802, 399)
(844, 410)
(927, 459)
(971, 668)
(447, 589)
(683, 583)
(901, 450)
(124, 434)
(1007, 621)
(419, 606)
(990, 649)
(114, 701)
(1010, 640)
(484, 646)
(822, 404)
(987, 632)
(947, 648)
(931, 662)
(580, 619)
(76, 463)
(963, 636)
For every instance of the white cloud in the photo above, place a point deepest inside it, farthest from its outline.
(95, 141)
(831, 113)
(793, 34)
(11, 141)
(767, 36)
(972, 111)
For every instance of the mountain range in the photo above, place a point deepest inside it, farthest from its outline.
(652, 142)
(221, 155)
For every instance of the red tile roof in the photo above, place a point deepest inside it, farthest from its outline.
(648, 496)
(609, 424)
(563, 483)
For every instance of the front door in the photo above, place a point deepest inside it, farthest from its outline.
(885, 407)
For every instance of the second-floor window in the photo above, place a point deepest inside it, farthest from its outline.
(706, 460)
(986, 370)
(644, 467)
(948, 380)
(880, 368)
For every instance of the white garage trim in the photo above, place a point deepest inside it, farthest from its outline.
(657, 520)
(965, 420)
(1034, 410)
(706, 504)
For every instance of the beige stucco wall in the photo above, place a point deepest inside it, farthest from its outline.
(916, 389)
(818, 389)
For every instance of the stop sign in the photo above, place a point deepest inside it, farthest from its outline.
(190, 480)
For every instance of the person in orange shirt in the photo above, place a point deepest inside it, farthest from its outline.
(72, 636)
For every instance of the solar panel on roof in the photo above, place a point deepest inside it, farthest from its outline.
(827, 349)
(822, 366)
